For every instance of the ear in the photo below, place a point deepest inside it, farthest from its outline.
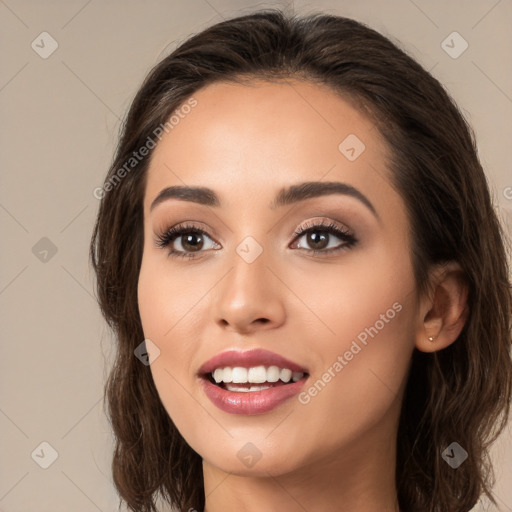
(444, 311)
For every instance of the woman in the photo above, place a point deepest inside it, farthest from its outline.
(297, 251)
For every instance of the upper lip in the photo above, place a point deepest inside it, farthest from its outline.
(248, 359)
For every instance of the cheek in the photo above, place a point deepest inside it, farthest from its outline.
(366, 343)
(168, 298)
(167, 304)
(365, 292)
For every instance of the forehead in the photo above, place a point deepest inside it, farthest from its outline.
(242, 139)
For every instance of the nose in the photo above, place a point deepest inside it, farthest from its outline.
(250, 297)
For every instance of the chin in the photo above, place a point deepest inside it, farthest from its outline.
(253, 458)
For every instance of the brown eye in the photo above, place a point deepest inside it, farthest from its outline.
(318, 237)
(316, 240)
(192, 242)
(184, 241)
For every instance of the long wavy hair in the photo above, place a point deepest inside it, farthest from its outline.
(461, 393)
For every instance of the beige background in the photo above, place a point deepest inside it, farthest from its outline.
(60, 119)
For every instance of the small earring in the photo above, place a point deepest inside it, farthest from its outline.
(431, 338)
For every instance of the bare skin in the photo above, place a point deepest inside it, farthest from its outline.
(337, 449)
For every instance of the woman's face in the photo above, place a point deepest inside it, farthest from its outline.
(240, 278)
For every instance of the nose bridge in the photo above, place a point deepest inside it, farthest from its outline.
(246, 281)
(248, 294)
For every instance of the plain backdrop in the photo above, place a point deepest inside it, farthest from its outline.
(60, 117)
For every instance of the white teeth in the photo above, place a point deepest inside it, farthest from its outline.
(239, 374)
(254, 375)
(297, 376)
(227, 375)
(231, 387)
(273, 374)
(286, 375)
(258, 374)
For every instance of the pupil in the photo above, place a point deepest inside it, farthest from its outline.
(190, 237)
(314, 240)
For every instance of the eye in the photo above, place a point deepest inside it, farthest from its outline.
(188, 241)
(192, 239)
(319, 235)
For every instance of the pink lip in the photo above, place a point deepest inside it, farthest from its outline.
(247, 359)
(252, 402)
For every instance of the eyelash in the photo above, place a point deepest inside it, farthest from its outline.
(166, 238)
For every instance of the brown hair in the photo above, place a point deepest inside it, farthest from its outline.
(461, 393)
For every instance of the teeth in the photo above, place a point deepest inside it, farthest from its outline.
(227, 375)
(286, 375)
(218, 375)
(239, 374)
(297, 376)
(257, 374)
(254, 375)
(230, 387)
(273, 374)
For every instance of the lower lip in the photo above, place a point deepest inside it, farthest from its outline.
(250, 402)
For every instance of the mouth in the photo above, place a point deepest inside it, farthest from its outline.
(251, 398)
(253, 379)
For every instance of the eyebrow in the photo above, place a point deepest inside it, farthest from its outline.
(285, 196)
